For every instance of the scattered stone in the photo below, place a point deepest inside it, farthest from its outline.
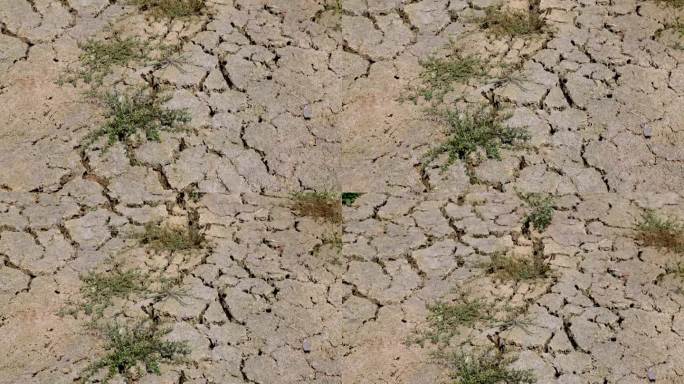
(648, 131)
(308, 112)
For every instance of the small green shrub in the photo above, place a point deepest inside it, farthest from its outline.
(334, 240)
(675, 269)
(467, 132)
(440, 74)
(517, 269)
(172, 239)
(673, 3)
(664, 233)
(99, 289)
(348, 198)
(135, 348)
(542, 211)
(171, 8)
(325, 205)
(444, 319)
(503, 22)
(100, 56)
(334, 5)
(139, 113)
(489, 367)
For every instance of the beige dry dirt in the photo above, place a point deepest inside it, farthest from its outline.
(309, 95)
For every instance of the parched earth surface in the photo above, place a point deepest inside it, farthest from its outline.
(296, 95)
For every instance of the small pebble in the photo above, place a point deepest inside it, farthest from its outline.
(306, 346)
(651, 375)
(308, 112)
(648, 131)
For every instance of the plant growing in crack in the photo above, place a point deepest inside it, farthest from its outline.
(444, 320)
(172, 9)
(139, 114)
(324, 205)
(470, 131)
(503, 22)
(171, 238)
(517, 268)
(541, 213)
(440, 74)
(672, 3)
(660, 232)
(484, 367)
(676, 269)
(100, 57)
(133, 351)
(348, 198)
(334, 240)
(98, 290)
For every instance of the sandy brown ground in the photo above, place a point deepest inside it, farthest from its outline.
(294, 95)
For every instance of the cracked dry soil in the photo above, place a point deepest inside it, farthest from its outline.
(307, 95)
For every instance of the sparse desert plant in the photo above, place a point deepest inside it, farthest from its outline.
(473, 130)
(98, 290)
(503, 22)
(517, 269)
(171, 238)
(139, 113)
(133, 349)
(541, 212)
(171, 8)
(99, 57)
(487, 367)
(334, 5)
(440, 74)
(333, 240)
(676, 269)
(348, 198)
(324, 205)
(444, 319)
(673, 3)
(660, 232)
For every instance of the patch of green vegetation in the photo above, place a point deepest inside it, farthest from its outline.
(542, 210)
(334, 5)
(191, 193)
(470, 131)
(659, 232)
(99, 289)
(348, 198)
(170, 8)
(100, 56)
(440, 74)
(170, 238)
(502, 22)
(517, 269)
(324, 205)
(334, 240)
(141, 347)
(673, 3)
(676, 269)
(488, 367)
(444, 319)
(138, 114)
